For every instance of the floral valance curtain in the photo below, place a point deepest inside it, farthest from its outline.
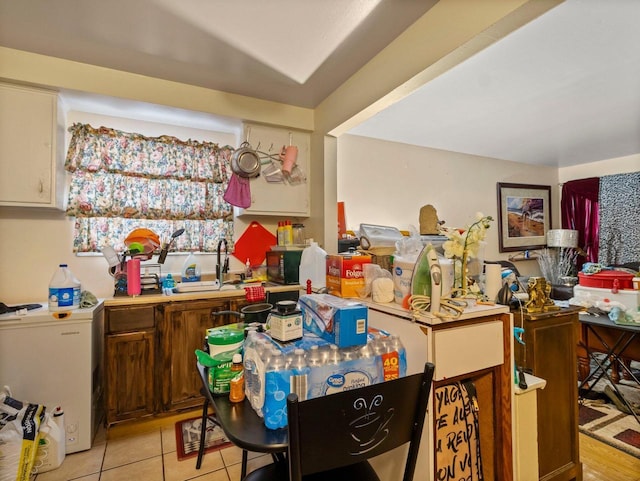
(121, 181)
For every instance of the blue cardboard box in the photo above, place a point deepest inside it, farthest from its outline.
(337, 320)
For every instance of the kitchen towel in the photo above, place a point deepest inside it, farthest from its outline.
(238, 192)
(492, 280)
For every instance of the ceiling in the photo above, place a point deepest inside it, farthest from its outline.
(290, 51)
(562, 90)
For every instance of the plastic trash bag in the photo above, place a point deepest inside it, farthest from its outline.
(371, 273)
(19, 436)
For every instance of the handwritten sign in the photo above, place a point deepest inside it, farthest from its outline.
(457, 438)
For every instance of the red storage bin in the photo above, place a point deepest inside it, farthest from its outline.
(605, 279)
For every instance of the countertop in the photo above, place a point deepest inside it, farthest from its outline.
(470, 312)
(227, 291)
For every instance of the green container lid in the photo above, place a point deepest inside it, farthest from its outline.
(224, 336)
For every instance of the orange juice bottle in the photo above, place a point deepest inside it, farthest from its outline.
(236, 389)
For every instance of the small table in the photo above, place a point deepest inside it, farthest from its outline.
(244, 428)
(626, 335)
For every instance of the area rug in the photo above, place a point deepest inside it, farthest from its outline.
(605, 423)
(188, 438)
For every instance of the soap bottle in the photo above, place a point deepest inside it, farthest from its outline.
(191, 269)
(168, 284)
(288, 233)
(280, 233)
(248, 272)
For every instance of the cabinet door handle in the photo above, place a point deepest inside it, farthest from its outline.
(41, 187)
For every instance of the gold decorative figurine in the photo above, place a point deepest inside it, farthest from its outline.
(539, 301)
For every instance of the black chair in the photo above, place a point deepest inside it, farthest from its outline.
(332, 437)
(208, 401)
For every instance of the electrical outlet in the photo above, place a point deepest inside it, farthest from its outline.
(72, 433)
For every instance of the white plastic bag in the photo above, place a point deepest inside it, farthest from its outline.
(19, 435)
(371, 273)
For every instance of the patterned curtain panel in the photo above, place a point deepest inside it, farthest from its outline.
(619, 219)
(122, 181)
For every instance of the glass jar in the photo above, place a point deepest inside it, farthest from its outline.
(298, 234)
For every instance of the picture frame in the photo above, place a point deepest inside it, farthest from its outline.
(524, 216)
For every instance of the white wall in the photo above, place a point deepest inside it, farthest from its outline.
(619, 165)
(34, 242)
(386, 183)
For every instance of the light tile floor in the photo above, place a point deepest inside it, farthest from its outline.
(146, 451)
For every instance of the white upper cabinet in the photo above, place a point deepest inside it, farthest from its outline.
(30, 175)
(282, 198)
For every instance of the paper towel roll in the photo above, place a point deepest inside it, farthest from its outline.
(492, 280)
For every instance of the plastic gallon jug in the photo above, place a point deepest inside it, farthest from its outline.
(191, 269)
(64, 290)
(313, 266)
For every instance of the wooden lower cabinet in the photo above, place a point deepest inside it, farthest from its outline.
(182, 332)
(150, 351)
(130, 353)
(130, 375)
(549, 352)
(150, 354)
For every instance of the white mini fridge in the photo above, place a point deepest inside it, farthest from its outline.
(57, 362)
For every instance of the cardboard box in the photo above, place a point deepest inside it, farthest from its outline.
(339, 321)
(345, 275)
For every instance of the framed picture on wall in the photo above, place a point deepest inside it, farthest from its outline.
(524, 216)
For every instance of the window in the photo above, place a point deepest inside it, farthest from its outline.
(121, 181)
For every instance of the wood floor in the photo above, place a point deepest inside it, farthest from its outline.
(601, 462)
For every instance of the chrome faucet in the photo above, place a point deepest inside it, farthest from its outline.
(222, 269)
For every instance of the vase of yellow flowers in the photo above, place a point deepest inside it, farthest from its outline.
(463, 245)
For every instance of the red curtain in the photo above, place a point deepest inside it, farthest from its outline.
(579, 208)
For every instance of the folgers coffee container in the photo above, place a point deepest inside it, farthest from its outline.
(345, 274)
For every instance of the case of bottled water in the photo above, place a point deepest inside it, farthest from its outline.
(313, 367)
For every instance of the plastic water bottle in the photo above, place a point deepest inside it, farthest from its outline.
(333, 355)
(379, 345)
(64, 290)
(314, 358)
(276, 362)
(249, 363)
(366, 351)
(298, 362)
(395, 343)
(313, 266)
(349, 353)
(299, 371)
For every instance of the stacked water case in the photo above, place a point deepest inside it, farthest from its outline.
(313, 367)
